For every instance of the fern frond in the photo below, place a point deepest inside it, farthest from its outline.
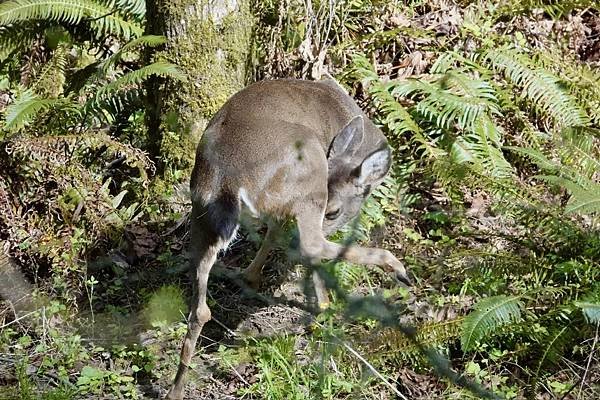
(585, 198)
(489, 315)
(138, 76)
(537, 157)
(142, 41)
(551, 349)
(483, 144)
(48, 149)
(580, 150)
(135, 8)
(49, 82)
(590, 305)
(13, 39)
(104, 19)
(397, 118)
(394, 344)
(132, 80)
(107, 109)
(582, 80)
(539, 87)
(25, 109)
(450, 99)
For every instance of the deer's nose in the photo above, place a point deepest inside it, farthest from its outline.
(404, 277)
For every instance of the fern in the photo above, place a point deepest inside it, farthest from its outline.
(13, 39)
(58, 150)
(579, 150)
(582, 80)
(590, 305)
(585, 199)
(450, 99)
(575, 170)
(450, 102)
(135, 78)
(25, 109)
(539, 87)
(104, 18)
(394, 344)
(106, 110)
(551, 350)
(396, 116)
(590, 310)
(49, 82)
(489, 315)
(482, 148)
(142, 41)
(135, 8)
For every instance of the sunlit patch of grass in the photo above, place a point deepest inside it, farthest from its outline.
(165, 306)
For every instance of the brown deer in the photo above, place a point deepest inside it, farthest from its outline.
(282, 149)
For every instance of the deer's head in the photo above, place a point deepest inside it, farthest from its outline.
(351, 177)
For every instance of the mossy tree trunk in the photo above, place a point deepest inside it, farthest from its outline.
(209, 40)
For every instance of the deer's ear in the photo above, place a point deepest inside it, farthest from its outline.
(374, 167)
(349, 139)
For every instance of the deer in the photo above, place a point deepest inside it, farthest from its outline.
(282, 149)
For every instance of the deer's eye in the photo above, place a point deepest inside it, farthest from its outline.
(333, 214)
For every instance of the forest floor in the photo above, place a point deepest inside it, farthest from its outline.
(116, 333)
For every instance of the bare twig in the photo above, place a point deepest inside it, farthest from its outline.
(589, 361)
(372, 369)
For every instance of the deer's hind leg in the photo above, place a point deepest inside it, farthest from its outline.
(253, 274)
(213, 227)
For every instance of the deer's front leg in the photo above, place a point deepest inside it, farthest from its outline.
(315, 246)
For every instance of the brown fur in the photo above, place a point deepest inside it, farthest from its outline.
(283, 149)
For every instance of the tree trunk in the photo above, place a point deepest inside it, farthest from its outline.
(209, 40)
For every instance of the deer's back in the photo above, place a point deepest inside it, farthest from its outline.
(272, 136)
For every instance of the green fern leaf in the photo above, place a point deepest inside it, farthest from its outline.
(138, 76)
(489, 315)
(108, 108)
(393, 344)
(142, 41)
(450, 99)
(15, 38)
(135, 8)
(25, 108)
(579, 151)
(551, 350)
(539, 87)
(485, 146)
(104, 18)
(536, 157)
(590, 305)
(397, 118)
(113, 97)
(585, 194)
(49, 82)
